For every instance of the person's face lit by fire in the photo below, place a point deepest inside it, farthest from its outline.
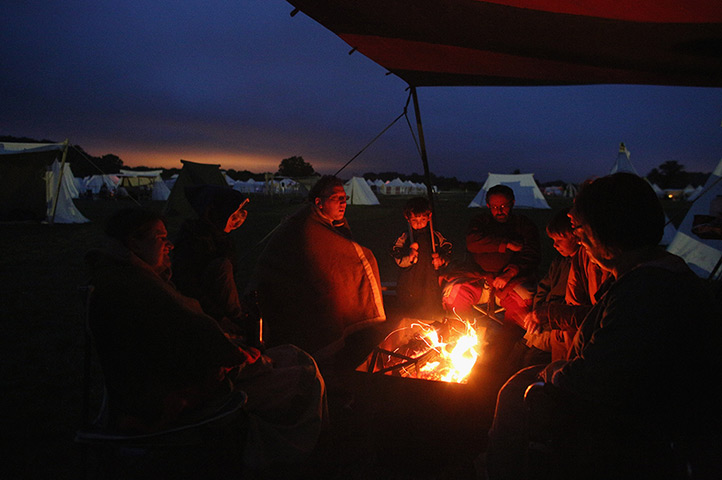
(236, 219)
(566, 244)
(599, 254)
(500, 207)
(153, 247)
(418, 220)
(333, 205)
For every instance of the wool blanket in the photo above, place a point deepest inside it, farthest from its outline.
(316, 285)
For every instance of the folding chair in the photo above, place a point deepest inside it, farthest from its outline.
(210, 448)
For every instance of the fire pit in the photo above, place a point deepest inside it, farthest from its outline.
(429, 379)
(445, 350)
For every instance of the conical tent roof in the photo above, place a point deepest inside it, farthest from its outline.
(623, 164)
(526, 191)
(61, 208)
(359, 192)
(699, 237)
(192, 173)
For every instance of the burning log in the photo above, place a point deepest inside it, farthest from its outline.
(441, 351)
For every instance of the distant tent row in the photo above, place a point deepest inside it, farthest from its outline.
(37, 184)
(284, 186)
(398, 187)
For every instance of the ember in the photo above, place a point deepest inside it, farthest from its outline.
(442, 351)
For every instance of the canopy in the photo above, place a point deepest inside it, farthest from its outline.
(532, 42)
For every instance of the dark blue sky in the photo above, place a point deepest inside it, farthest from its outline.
(243, 84)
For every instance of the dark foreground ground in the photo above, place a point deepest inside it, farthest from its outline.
(381, 427)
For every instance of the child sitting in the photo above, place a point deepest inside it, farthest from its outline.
(551, 290)
(418, 291)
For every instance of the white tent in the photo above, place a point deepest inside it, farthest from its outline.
(623, 164)
(35, 185)
(95, 182)
(149, 178)
(526, 191)
(359, 192)
(394, 187)
(59, 194)
(697, 192)
(699, 237)
(570, 190)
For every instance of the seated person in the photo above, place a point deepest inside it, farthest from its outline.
(417, 289)
(167, 363)
(316, 286)
(504, 252)
(204, 254)
(644, 367)
(536, 346)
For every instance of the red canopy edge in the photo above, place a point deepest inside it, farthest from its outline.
(470, 42)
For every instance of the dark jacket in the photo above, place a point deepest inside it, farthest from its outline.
(163, 359)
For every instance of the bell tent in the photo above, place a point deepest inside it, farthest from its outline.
(359, 192)
(526, 191)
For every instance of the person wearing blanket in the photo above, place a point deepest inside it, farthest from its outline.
(317, 287)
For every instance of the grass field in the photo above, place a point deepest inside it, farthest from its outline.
(41, 267)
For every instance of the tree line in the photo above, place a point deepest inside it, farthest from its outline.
(670, 174)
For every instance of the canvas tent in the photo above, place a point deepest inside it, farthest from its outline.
(150, 179)
(623, 163)
(95, 183)
(699, 236)
(192, 173)
(526, 191)
(359, 192)
(34, 184)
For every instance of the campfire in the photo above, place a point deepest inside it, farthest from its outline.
(445, 350)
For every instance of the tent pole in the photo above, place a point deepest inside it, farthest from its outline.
(422, 145)
(60, 180)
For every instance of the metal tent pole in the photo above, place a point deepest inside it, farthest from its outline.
(422, 146)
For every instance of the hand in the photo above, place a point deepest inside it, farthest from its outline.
(500, 281)
(437, 261)
(532, 323)
(514, 246)
(414, 253)
(263, 364)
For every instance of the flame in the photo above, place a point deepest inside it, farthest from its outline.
(445, 352)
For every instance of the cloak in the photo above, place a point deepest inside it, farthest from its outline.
(316, 285)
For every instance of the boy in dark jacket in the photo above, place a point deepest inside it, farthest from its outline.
(420, 258)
